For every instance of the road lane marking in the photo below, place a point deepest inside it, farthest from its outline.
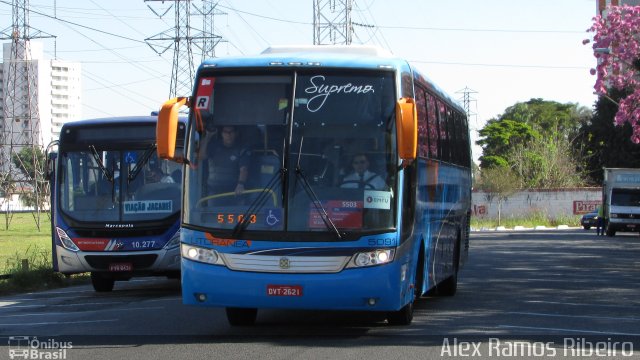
(52, 305)
(61, 322)
(573, 316)
(579, 304)
(86, 311)
(569, 330)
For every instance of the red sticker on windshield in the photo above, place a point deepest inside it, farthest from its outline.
(203, 95)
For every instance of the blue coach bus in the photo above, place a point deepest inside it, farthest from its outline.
(295, 229)
(115, 206)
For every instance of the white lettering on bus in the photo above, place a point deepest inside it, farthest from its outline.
(323, 91)
(139, 207)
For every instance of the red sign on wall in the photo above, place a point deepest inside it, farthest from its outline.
(585, 206)
(479, 210)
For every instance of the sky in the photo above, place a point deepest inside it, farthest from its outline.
(506, 51)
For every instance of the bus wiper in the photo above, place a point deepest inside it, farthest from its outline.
(96, 157)
(145, 157)
(258, 203)
(312, 195)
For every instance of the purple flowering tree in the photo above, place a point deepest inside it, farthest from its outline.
(616, 44)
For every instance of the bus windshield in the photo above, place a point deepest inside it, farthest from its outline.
(98, 185)
(268, 155)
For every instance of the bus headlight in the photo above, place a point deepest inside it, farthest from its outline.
(66, 241)
(199, 254)
(175, 241)
(371, 258)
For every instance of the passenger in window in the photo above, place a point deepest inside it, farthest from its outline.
(157, 176)
(228, 163)
(361, 177)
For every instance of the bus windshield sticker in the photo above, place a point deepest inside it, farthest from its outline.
(374, 199)
(205, 90)
(345, 214)
(148, 207)
(131, 157)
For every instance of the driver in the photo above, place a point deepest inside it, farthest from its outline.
(228, 164)
(361, 177)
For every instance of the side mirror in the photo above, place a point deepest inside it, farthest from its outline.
(167, 128)
(51, 157)
(50, 166)
(407, 129)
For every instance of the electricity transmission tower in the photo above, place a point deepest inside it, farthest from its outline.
(332, 22)
(21, 131)
(208, 12)
(466, 100)
(182, 37)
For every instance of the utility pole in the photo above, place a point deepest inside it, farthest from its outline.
(332, 23)
(182, 37)
(21, 117)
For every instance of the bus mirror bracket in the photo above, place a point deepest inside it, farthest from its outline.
(167, 128)
(407, 129)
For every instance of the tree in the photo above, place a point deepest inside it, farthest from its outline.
(603, 144)
(498, 183)
(616, 44)
(529, 121)
(549, 117)
(498, 137)
(546, 163)
(32, 162)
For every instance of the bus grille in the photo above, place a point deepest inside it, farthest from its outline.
(138, 261)
(285, 264)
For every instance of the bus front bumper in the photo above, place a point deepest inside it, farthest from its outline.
(149, 262)
(375, 288)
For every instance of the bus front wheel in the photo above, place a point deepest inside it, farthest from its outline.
(101, 283)
(403, 316)
(241, 316)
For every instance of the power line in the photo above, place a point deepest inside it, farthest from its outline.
(481, 30)
(418, 27)
(501, 65)
(77, 24)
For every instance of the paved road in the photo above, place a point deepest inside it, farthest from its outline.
(546, 289)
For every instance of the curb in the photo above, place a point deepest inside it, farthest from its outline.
(522, 228)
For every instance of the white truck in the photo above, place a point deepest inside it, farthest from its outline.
(621, 200)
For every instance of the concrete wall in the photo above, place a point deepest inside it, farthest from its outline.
(552, 203)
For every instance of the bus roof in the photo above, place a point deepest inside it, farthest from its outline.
(352, 56)
(111, 121)
(113, 132)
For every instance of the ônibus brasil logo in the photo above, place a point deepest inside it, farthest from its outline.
(30, 347)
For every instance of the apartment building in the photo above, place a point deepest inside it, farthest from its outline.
(56, 90)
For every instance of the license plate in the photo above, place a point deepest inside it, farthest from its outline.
(121, 267)
(284, 290)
